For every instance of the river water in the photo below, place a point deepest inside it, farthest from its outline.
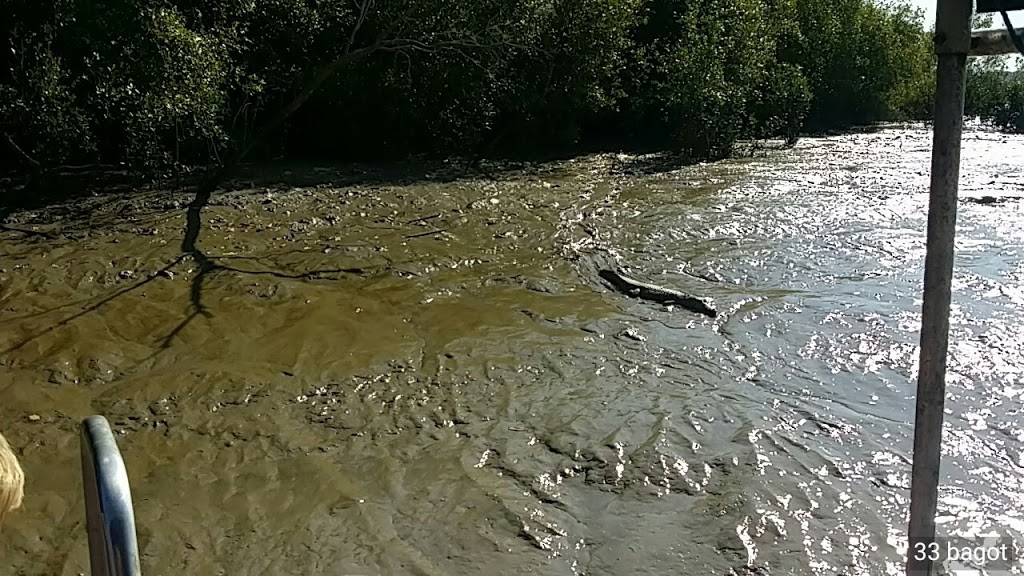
(380, 376)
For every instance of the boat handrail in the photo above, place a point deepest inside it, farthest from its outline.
(109, 514)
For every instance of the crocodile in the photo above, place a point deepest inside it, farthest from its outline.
(645, 291)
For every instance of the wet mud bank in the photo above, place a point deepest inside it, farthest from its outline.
(430, 378)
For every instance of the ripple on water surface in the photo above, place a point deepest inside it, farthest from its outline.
(430, 379)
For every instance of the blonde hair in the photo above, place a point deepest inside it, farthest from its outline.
(12, 480)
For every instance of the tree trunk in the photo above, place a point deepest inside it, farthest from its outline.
(220, 173)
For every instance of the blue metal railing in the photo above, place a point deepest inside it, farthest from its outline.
(110, 518)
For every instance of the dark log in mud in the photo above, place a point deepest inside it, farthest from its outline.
(654, 293)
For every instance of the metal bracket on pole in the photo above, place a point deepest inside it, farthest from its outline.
(1000, 5)
(110, 518)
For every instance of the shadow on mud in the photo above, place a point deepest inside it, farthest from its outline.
(73, 203)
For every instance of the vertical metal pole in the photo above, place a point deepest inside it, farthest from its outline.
(952, 44)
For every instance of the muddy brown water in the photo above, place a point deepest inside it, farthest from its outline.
(431, 379)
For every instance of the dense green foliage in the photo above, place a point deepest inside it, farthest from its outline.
(159, 83)
(995, 93)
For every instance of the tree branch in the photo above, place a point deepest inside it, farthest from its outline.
(450, 40)
(364, 8)
(32, 163)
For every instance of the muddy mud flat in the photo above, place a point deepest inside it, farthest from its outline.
(428, 377)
